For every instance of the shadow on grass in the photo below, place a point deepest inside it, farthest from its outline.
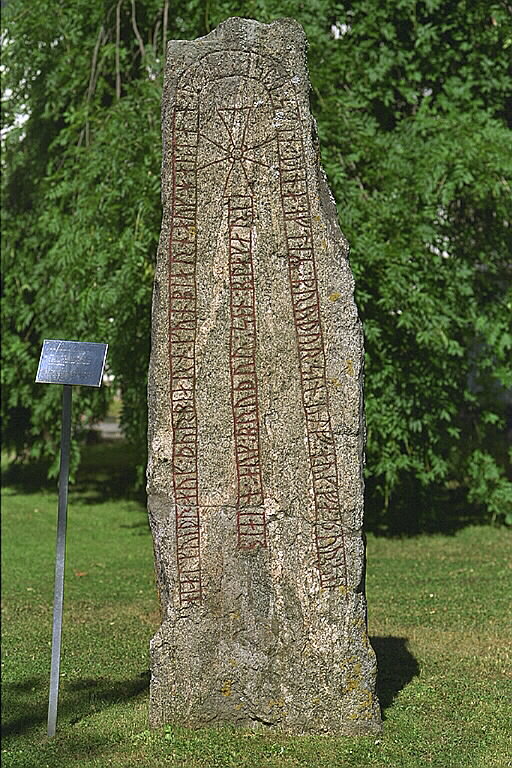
(107, 471)
(396, 667)
(79, 699)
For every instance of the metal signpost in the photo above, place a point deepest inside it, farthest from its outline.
(68, 363)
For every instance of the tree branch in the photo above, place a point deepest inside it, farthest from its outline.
(137, 33)
(93, 79)
(94, 61)
(155, 36)
(118, 43)
(164, 32)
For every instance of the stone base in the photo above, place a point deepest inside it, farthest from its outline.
(264, 649)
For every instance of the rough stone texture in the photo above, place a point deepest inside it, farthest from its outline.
(255, 404)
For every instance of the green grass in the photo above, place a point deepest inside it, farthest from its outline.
(439, 620)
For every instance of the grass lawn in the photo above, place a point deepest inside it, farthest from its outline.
(439, 618)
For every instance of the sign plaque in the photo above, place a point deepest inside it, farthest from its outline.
(72, 362)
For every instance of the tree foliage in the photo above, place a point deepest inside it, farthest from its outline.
(414, 124)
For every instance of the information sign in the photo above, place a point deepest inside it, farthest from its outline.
(72, 362)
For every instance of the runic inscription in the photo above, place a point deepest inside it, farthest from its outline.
(182, 334)
(244, 383)
(237, 155)
(306, 311)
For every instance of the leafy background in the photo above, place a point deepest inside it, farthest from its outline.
(413, 104)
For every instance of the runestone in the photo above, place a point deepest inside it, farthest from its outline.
(256, 432)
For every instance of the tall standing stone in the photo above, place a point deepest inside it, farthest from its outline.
(255, 403)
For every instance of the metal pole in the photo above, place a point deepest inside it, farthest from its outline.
(65, 441)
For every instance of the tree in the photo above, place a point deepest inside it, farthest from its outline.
(414, 125)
